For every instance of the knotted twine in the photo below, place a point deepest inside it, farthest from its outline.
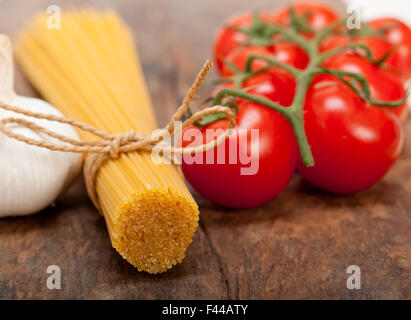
(112, 145)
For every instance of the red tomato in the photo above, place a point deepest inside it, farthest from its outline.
(275, 155)
(239, 56)
(399, 35)
(275, 84)
(227, 39)
(286, 52)
(290, 53)
(353, 144)
(378, 46)
(319, 15)
(334, 41)
(383, 84)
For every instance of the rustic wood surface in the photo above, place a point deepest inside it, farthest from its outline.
(297, 246)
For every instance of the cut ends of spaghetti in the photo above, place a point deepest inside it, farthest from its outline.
(154, 228)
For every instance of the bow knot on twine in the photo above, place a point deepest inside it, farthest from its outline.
(111, 146)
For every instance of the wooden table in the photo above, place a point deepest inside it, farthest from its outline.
(297, 246)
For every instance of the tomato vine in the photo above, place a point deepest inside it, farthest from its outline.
(265, 34)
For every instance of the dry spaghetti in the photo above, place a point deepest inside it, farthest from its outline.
(90, 71)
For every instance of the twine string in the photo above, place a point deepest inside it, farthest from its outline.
(110, 146)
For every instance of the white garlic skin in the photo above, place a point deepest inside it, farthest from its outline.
(31, 178)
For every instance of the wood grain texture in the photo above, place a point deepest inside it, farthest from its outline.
(297, 246)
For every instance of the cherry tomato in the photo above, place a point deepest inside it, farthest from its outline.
(353, 144)
(227, 39)
(286, 52)
(399, 35)
(378, 46)
(319, 15)
(290, 53)
(334, 41)
(239, 56)
(272, 158)
(384, 85)
(275, 84)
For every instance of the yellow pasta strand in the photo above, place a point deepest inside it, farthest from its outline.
(91, 72)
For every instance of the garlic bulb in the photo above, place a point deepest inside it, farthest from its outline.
(31, 177)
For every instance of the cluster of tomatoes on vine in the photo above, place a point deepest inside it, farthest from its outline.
(327, 101)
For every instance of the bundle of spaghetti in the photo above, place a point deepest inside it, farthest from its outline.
(90, 70)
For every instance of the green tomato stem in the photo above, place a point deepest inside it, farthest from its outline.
(272, 62)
